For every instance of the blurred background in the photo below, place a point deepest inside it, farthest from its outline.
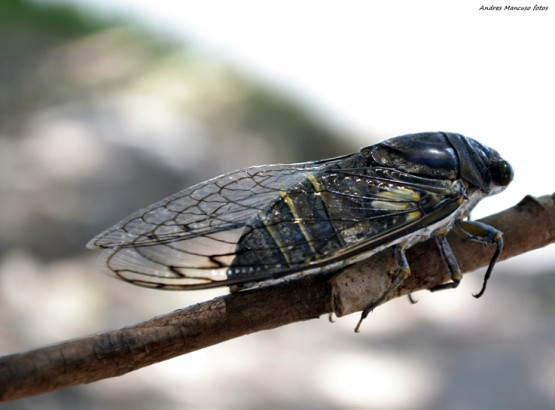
(108, 107)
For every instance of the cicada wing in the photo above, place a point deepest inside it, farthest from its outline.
(219, 204)
(190, 240)
(198, 262)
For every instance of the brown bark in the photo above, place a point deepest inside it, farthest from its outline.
(526, 226)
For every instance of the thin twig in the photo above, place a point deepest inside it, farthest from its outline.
(526, 226)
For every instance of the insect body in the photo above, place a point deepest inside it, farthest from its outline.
(266, 222)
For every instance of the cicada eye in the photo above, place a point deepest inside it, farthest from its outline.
(503, 173)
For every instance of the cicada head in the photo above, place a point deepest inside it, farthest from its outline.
(481, 166)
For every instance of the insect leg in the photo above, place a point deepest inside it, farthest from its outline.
(451, 263)
(412, 300)
(481, 232)
(402, 273)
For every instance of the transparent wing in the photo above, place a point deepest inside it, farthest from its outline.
(189, 240)
(223, 203)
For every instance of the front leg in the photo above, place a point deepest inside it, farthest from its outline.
(476, 231)
(480, 232)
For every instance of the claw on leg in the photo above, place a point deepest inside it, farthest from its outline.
(412, 300)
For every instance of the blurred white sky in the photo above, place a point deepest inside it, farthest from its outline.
(385, 68)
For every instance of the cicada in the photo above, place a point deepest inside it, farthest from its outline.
(265, 223)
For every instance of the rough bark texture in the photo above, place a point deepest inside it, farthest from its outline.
(526, 226)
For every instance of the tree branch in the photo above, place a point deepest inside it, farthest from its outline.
(526, 226)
